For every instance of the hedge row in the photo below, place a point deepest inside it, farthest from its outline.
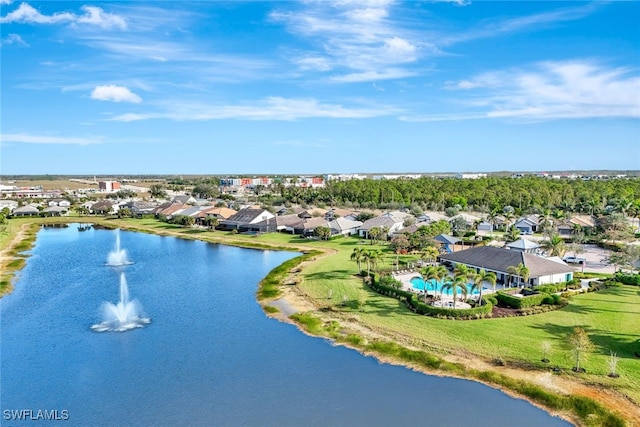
(419, 307)
(462, 313)
(558, 287)
(628, 278)
(524, 302)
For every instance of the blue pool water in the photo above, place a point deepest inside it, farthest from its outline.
(434, 286)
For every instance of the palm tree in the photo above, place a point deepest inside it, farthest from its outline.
(544, 220)
(374, 234)
(457, 284)
(512, 234)
(212, 222)
(366, 257)
(358, 256)
(555, 245)
(481, 277)
(492, 218)
(508, 217)
(519, 270)
(461, 270)
(375, 255)
(430, 253)
(431, 273)
(523, 271)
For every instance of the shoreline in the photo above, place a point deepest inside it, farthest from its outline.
(296, 301)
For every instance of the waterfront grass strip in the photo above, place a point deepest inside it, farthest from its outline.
(586, 410)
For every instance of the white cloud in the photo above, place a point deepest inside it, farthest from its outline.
(6, 1)
(510, 25)
(115, 93)
(368, 76)
(551, 90)
(27, 14)
(357, 38)
(96, 16)
(272, 108)
(26, 138)
(13, 39)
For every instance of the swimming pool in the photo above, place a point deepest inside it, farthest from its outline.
(434, 286)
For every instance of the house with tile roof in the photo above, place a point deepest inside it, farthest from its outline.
(344, 226)
(249, 220)
(378, 221)
(391, 221)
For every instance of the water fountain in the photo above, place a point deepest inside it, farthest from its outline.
(125, 314)
(122, 316)
(118, 256)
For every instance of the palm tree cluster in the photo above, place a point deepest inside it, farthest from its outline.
(519, 270)
(371, 257)
(463, 276)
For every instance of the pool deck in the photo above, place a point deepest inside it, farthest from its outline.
(405, 277)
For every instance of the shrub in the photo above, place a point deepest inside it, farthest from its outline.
(628, 278)
(518, 303)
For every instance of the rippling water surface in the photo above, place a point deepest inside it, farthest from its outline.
(209, 356)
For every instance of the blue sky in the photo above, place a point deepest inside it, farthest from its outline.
(284, 87)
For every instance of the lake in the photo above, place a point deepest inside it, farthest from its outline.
(209, 357)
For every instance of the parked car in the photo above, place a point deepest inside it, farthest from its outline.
(574, 260)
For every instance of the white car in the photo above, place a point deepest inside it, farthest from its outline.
(574, 260)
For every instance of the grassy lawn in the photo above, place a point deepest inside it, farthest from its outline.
(610, 317)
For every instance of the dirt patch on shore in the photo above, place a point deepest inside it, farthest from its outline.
(4, 254)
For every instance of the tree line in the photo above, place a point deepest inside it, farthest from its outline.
(484, 194)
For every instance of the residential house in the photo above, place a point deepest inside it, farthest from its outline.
(410, 229)
(498, 260)
(391, 221)
(344, 226)
(528, 225)
(59, 202)
(185, 200)
(173, 210)
(55, 211)
(216, 212)
(334, 213)
(576, 222)
(9, 204)
(103, 207)
(484, 228)
(384, 222)
(430, 217)
(27, 210)
(287, 223)
(139, 208)
(307, 227)
(249, 219)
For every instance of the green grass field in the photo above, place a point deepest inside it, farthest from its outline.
(610, 317)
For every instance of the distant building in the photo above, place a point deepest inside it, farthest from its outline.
(471, 175)
(108, 185)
